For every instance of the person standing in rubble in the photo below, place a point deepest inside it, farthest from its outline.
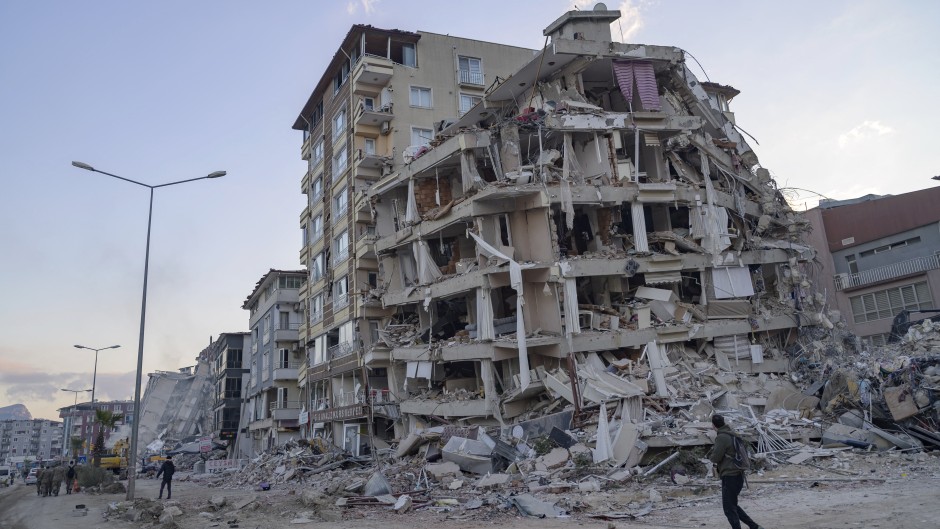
(732, 477)
(167, 469)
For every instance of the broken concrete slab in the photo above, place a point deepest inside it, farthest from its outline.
(377, 485)
(469, 454)
(556, 458)
(529, 505)
(439, 470)
(900, 402)
(492, 480)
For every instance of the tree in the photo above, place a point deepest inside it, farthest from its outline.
(105, 419)
(76, 443)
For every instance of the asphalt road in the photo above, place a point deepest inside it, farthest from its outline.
(22, 508)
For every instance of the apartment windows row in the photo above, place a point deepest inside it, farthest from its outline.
(229, 359)
(889, 302)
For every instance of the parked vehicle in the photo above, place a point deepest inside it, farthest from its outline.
(6, 476)
(31, 477)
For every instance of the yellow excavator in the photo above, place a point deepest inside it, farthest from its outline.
(116, 460)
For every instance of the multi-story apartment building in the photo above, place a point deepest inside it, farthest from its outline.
(595, 214)
(231, 375)
(272, 408)
(880, 255)
(35, 439)
(79, 422)
(379, 103)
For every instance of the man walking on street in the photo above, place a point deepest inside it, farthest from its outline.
(70, 477)
(732, 477)
(167, 469)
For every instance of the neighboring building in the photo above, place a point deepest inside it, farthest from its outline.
(35, 439)
(231, 375)
(273, 403)
(880, 255)
(79, 422)
(380, 102)
(597, 214)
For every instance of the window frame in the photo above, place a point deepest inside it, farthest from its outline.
(420, 91)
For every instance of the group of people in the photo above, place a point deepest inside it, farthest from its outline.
(49, 479)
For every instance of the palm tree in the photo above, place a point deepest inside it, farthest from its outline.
(76, 444)
(105, 419)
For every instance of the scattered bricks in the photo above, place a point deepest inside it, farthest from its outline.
(492, 481)
(590, 485)
(603, 224)
(403, 504)
(439, 470)
(557, 458)
(217, 502)
(170, 513)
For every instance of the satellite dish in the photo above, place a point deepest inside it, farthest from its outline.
(600, 6)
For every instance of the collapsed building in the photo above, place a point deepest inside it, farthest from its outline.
(596, 230)
(175, 407)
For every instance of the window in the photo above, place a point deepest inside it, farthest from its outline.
(341, 247)
(339, 124)
(341, 293)
(283, 320)
(374, 331)
(887, 303)
(420, 97)
(370, 146)
(316, 190)
(421, 136)
(373, 279)
(889, 247)
(317, 116)
(471, 70)
(368, 103)
(319, 350)
(467, 102)
(316, 268)
(340, 161)
(233, 359)
(316, 308)
(316, 228)
(409, 57)
(289, 282)
(266, 329)
(340, 202)
(265, 365)
(340, 78)
(317, 153)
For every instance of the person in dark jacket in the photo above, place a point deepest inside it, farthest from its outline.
(70, 477)
(166, 469)
(732, 477)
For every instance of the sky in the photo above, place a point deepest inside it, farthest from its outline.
(838, 94)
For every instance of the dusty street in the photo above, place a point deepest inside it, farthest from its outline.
(901, 501)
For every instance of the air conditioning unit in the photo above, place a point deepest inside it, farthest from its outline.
(386, 127)
(297, 307)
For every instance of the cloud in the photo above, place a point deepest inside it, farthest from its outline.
(368, 6)
(868, 129)
(630, 22)
(32, 388)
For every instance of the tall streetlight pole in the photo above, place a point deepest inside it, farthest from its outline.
(132, 456)
(94, 376)
(76, 392)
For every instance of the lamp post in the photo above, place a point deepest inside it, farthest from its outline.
(132, 456)
(94, 376)
(77, 391)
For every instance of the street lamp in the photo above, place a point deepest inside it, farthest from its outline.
(94, 375)
(132, 458)
(77, 391)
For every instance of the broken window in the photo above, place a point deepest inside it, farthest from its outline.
(404, 53)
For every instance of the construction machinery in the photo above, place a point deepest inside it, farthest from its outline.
(116, 460)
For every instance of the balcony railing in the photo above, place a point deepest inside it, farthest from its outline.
(316, 317)
(341, 255)
(288, 326)
(468, 77)
(340, 301)
(285, 405)
(885, 273)
(340, 350)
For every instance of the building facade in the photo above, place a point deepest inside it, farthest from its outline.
(592, 221)
(380, 102)
(272, 406)
(880, 255)
(231, 376)
(35, 439)
(78, 422)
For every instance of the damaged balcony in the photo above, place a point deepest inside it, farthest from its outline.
(286, 411)
(368, 116)
(372, 73)
(888, 273)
